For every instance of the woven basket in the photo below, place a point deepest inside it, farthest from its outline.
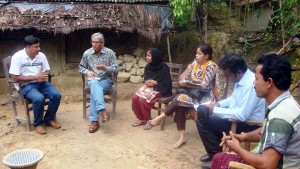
(24, 158)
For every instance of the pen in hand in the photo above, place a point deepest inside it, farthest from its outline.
(213, 104)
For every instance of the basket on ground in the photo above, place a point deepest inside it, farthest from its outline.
(24, 158)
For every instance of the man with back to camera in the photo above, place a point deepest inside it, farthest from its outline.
(31, 67)
(99, 64)
(242, 105)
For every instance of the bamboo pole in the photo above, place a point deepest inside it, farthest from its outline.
(169, 51)
(286, 44)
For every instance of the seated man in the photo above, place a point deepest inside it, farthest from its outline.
(31, 67)
(280, 135)
(242, 105)
(99, 64)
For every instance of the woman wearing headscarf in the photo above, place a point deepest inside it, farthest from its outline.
(200, 83)
(157, 83)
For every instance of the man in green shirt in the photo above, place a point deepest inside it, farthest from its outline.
(279, 138)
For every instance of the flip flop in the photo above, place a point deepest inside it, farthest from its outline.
(149, 125)
(138, 123)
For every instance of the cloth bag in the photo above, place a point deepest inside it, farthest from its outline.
(146, 92)
(194, 93)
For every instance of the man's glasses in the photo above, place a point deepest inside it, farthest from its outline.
(96, 42)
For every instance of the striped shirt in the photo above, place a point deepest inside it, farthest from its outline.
(281, 130)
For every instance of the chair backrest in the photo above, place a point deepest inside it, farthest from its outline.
(110, 96)
(6, 65)
(175, 71)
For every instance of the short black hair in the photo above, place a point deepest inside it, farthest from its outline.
(234, 62)
(30, 40)
(277, 68)
(207, 50)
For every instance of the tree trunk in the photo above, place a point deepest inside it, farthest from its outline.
(204, 25)
(281, 20)
(194, 12)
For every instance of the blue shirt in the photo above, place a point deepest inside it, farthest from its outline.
(243, 104)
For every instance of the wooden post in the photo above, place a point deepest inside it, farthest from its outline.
(169, 52)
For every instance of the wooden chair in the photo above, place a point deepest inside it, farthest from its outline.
(175, 71)
(109, 97)
(246, 145)
(237, 165)
(16, 95)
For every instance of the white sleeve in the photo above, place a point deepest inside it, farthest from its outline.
(45, 62)
(15, 65)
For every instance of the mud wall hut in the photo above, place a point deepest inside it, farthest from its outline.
(65, 27)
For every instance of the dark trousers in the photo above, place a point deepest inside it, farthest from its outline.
(180, 113)
(211, 132)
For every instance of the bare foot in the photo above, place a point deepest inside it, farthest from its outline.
(179, 143)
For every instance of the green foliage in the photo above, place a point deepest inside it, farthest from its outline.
(181, 6)
(184, 22)
(182, 10)
(290, 18)
(183, 46)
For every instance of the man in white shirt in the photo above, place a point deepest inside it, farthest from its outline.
(30, 66)
(242, 105)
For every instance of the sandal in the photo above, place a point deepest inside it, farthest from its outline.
(138, 123)
(149, 125)
(105, 117)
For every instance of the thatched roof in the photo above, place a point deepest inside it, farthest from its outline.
(113, 1)
(65, 18)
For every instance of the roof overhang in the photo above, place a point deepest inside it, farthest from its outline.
(69, 17)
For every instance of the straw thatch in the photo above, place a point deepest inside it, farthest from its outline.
(65, 19)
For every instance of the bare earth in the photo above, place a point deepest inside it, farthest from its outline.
(116, 144)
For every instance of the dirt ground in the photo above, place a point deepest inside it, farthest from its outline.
(116, 144)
